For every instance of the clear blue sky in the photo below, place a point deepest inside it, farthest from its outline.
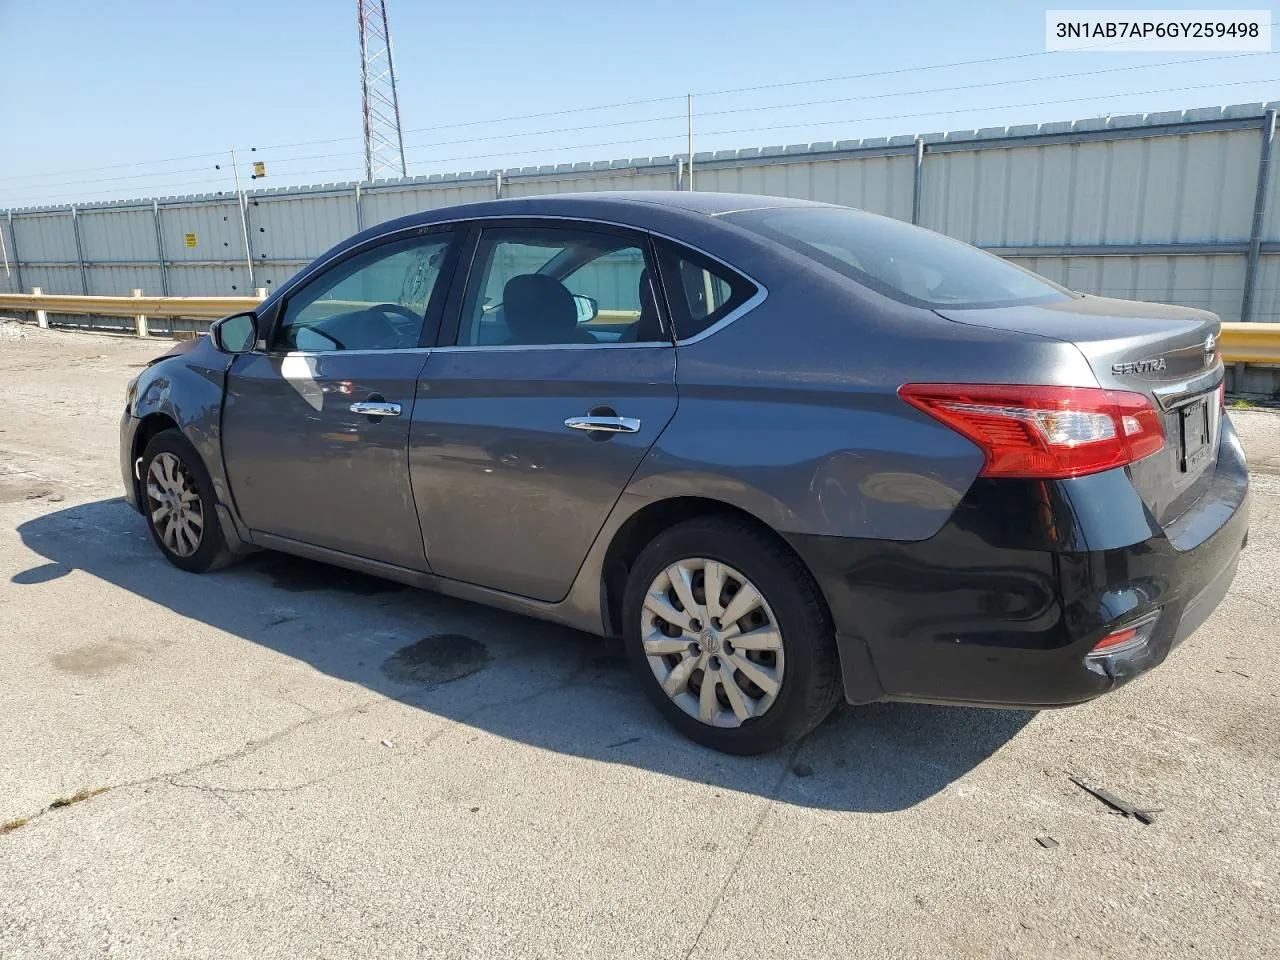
(90, 86)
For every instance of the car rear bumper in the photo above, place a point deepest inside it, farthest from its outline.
(1004, 604)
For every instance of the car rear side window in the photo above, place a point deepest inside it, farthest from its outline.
(700, 291)
(897, 259)
(546, 286)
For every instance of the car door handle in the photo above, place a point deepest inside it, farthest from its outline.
(604, 424)
(376, 408)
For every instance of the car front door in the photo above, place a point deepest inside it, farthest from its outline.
(316, 427)
(531, 421)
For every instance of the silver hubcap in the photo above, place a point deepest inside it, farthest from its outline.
(176, 511)
(712, 642)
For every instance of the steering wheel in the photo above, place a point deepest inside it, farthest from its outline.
(399, 310)
(407, 323)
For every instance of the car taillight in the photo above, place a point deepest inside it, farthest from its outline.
(1129, 637)
(1044, 432)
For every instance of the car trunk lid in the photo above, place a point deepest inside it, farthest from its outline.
(1166, 352)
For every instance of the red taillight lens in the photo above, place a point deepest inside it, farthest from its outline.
(1129, 637)
(1044, 432)
(1118, 639)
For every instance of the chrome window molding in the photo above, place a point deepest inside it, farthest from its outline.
(342, 353)
(514, 347)
(758, 298)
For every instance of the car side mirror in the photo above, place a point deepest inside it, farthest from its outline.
(236, 333)
(588, 307)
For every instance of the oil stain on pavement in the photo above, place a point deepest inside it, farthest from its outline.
(438, 658)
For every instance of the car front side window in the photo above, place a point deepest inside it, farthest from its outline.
(376, 300)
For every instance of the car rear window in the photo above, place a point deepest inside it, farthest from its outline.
(899, 260)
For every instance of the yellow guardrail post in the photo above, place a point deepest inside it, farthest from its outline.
(42, 318)
(140, 319)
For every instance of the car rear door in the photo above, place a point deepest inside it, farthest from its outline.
(536, 409)
(316, 427)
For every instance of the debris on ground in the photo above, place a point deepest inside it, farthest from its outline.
(1115, 803)
(12, 330)
(1047, 842)
(387, 743)
(76, 797)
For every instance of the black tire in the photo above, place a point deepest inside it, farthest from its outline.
(811, 683)
(211, 552)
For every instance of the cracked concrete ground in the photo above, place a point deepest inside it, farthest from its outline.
(274, 793)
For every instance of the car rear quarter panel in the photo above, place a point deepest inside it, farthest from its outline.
(791, 412)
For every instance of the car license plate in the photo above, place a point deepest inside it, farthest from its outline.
(1194, 419)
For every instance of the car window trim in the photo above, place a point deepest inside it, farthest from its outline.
(451, 327)
(471, 222)
(425, 339)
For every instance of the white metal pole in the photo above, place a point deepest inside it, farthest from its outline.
(244, 218)
(690, 145)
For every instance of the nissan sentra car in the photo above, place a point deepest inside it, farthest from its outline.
(788, 452)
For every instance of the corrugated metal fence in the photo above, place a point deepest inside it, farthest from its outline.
(1169, 207)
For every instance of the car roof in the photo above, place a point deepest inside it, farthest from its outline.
(626, 204)
(711, 204)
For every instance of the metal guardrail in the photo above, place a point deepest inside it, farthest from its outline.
(198, 307)
(1239, 342)
(1250, 342)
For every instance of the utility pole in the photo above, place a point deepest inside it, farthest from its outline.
(242, 203)
(689, 113)
(380, 103)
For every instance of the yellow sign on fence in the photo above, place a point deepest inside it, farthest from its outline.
(191, 240)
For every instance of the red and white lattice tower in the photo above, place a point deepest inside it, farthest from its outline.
(383, 139)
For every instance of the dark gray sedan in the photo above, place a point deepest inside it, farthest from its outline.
(787, 451)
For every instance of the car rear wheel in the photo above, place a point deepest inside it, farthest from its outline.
(730, 636)
(176, 494)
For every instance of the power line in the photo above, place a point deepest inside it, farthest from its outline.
(755, 129)
(652, 100)
(681, 116)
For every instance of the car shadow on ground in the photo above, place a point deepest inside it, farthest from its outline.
(511, 676)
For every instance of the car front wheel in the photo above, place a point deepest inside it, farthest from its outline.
(176, 494)
(730, 636)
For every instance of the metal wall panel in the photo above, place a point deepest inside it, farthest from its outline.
(10, 270)
(51, 279)
(1169, 189)
(45, 237)
(587, 181)
(108, 234)
(1211, 283)
(121, 281)
(300, 226)
(191, 280)
(383, 203)
(876, 184)
(1180, 177)
(1267, 303)
(1271, 219)
(215, 223)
